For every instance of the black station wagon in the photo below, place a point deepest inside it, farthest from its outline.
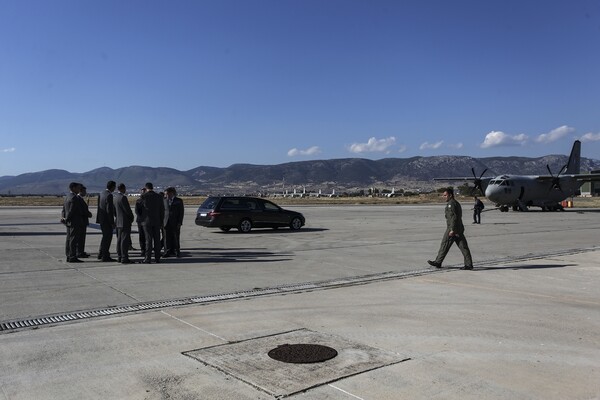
(245, 213)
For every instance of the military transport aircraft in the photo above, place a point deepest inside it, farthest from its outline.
(523, 191)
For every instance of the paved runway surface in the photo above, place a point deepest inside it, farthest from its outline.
(524, 325)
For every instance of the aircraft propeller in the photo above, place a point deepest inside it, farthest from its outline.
(477, 181)
(556, 179)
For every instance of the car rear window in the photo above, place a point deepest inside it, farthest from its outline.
(210, 203)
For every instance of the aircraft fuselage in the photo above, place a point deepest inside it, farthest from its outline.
(524, 191)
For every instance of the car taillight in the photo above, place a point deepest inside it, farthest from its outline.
(213, 214)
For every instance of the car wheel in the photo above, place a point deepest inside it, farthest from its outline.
(225, 228)
(296, 223)
(245, 225)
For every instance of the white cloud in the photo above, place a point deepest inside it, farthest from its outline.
(554, 134)
(402, 148)
(590, 137)
(373, 145)
(308, 152)
(456, 146)
(498, 138)
(427, 145)
(9, 150)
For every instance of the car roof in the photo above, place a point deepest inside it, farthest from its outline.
(238, 197)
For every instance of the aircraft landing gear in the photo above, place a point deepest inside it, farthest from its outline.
(553, 207)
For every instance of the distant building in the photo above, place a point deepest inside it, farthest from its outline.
(591, 189)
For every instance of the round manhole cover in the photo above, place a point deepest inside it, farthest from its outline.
(302, 353)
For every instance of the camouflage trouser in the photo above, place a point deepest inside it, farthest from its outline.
(461, 242)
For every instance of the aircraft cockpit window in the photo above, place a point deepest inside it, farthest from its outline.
(503, 183)
(492, 182)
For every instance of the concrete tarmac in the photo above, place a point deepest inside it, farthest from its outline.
(525, 324)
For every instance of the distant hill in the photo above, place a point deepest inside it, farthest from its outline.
(339, 174)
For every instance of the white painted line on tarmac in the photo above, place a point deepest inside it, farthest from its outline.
(105, 284)
(343, 391)
(4, 392)
(195, 327)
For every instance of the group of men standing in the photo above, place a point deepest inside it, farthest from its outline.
(155, 215)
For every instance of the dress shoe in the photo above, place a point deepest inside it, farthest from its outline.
(74, 260)
(434, 264)
(109, 259)
(83, 255)
(126, 261)
(167, 255)
(468, 267)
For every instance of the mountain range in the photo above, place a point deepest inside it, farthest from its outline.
(339, 174)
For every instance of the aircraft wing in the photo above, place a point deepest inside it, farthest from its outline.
(462, 178)
(578, 177)
(587, 177)
(549, 178)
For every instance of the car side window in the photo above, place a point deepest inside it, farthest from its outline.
(229, 204)
(270, 207)
(251, 205)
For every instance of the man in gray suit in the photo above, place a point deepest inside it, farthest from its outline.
(152, 214)
(74, 218)
(124, 221)
(106, 218)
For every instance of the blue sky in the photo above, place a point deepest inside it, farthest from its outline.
(87, 84)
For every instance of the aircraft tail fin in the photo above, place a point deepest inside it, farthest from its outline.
(574, 164)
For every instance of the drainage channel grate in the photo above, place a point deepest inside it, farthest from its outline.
(110, 311)
(300, 287)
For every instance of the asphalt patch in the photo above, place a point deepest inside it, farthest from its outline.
(250, 362)
(302, 353)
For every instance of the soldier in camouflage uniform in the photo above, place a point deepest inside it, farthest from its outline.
(454, 233)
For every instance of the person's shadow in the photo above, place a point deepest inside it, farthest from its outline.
(529, 266)
(212, 255)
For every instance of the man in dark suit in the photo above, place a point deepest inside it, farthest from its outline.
(86, 210)
(106, 218)
(174, 211)
(74, 219)
(152, 217)
(138, 219)
(123, 223)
